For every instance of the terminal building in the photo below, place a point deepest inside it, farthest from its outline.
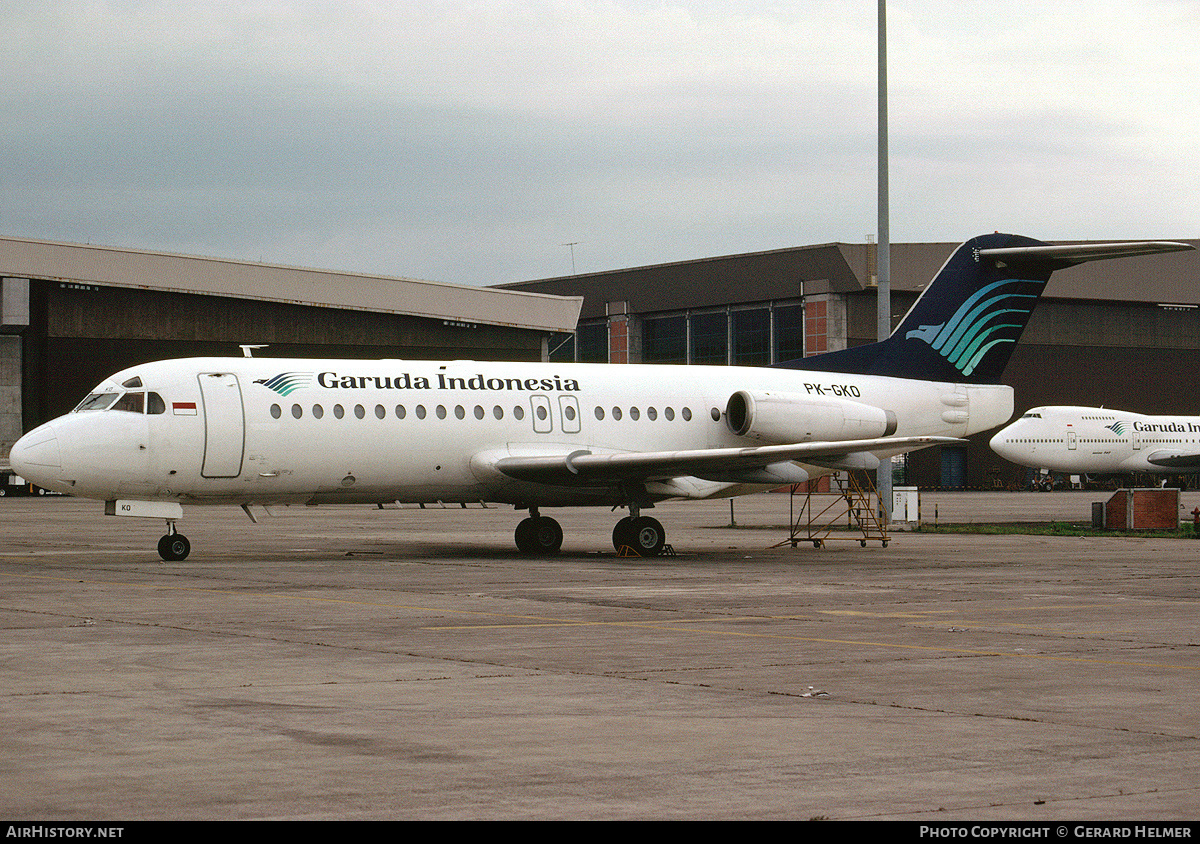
(71, 314)
(1123, 333)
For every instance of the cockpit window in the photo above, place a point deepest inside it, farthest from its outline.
(133, 383)
(96, 401)
(131, 402)
(151, 403)
(1032, 416)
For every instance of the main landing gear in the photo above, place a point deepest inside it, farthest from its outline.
(538, 534)
(173, 547)
(634, 535)
(643, 535)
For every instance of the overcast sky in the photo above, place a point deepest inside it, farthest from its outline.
(472, 141)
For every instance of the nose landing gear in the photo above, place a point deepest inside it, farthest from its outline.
(173, 547)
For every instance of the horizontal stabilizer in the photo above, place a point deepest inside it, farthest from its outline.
(583, 468)
(1077, 253)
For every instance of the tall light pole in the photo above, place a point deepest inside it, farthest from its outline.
(883, 476)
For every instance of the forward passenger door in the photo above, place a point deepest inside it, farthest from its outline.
(224, 425)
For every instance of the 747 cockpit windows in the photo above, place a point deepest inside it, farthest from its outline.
(135, 402)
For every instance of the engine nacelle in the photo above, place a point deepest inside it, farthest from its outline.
(773, 417)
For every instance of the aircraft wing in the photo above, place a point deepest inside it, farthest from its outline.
(583, 467)
(1175, 458)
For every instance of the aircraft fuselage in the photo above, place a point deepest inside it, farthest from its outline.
(265, 431)
(1101, 440)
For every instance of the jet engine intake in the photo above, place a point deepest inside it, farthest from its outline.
(774, 417)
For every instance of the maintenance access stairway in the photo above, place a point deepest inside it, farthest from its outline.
(847, 513)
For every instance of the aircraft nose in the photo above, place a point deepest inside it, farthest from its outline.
(999, 444)
(35, 456)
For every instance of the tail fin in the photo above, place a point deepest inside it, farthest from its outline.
(966, 323)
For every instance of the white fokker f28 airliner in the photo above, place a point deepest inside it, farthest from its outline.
(1101, 440)
(266, 431)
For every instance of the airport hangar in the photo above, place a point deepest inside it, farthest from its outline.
(1123, 334)
(72, 314)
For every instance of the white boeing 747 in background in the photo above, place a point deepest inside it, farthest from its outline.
(1097, 440)
(264, 431)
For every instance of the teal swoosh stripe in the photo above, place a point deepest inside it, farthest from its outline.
(964, 339)
(969, 310)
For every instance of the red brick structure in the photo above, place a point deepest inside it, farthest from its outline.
(1142, 509)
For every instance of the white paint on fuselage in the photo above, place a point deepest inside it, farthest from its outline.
(1089, 439)
(470, 409)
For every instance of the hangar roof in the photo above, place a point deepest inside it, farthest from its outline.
(112, 267)
(1171, 278)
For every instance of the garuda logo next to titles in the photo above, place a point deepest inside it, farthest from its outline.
(286, 383)
(1117, 428)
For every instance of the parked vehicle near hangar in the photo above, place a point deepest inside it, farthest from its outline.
(13, 484)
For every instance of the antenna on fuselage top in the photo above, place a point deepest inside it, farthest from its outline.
(248, 349)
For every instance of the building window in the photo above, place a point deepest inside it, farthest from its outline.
(664, 339)
(752, 337)
(591, 341)
(561, 348)
(789, 332)
(709, 340)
